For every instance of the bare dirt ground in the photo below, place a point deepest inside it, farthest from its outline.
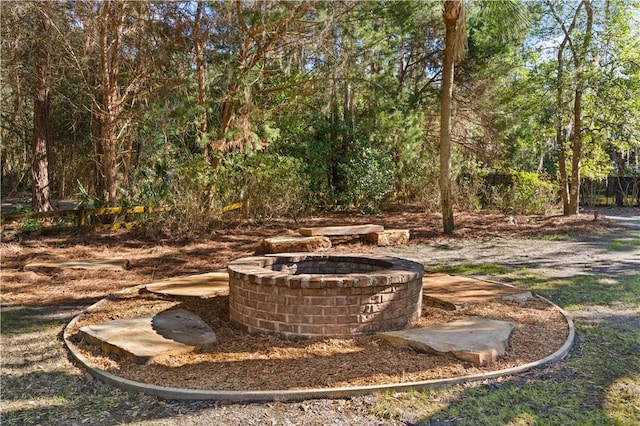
(41, 386)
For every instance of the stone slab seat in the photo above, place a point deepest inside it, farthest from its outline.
(387, 237)
(144, 339)
(480, 341)
(210, 284)
(108, 264)
(341, 231)
(451, 292)
(295, 243)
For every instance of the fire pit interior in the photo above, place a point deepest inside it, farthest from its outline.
(314, 295)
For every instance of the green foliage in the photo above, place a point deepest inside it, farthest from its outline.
(367, 177)
(270, 185)
(522, 192)
(267, 185)
(27, 225)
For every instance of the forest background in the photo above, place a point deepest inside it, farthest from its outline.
(298, 107)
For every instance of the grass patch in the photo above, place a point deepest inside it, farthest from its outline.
(570, 292)
(582, 290)
(470, 269)
(557, 237)
(598, 384)
(629, 244)
(18, 320)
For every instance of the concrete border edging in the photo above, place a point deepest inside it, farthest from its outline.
(168, 392)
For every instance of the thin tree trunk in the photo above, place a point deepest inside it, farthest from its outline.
(40, 190)
(560, 140)
(576, 159)
(200, 71)
(576, 154)
(450, 14)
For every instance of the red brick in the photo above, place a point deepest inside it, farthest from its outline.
(338, 310)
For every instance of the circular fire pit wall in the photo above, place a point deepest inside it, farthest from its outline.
(312, 295)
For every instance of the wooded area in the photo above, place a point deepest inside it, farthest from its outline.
(293, 107)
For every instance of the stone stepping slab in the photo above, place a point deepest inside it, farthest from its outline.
(480, 341)
(451, 292)
(110, 264)
(387, 237)
(341, 231)
(295, 243)
(211, 284)
(144, 339)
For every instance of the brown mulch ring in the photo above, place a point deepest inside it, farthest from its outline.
(240, 361)
(154, 256)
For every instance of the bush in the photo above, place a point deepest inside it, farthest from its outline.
(521, 192)
(267, 186)
(368, 179)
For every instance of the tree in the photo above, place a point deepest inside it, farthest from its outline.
(579, 50)
(40, 188)
(454, 45)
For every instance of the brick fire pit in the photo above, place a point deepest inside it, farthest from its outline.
(314, 295)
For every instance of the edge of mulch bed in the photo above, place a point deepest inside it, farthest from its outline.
(168, 392)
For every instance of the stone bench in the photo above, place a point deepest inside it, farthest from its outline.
(317, 238)
(295, 243)
(387, 237)
(341, 231)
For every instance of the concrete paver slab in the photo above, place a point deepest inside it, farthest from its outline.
(143, 339)
(480, 341)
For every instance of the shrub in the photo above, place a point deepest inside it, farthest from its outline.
(368, 179)
(520, 192)
(269, 185)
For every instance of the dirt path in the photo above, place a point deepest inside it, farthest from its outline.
(41, 386)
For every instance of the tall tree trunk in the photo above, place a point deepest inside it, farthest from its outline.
(40, 189)
(576, 154)
(451, 14)
(560, 139)
(111, 22)
(198, 46)
(571, 186)
(576, 158)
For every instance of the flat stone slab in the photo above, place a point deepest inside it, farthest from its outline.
(111, 264)
(388, 237)
(337, 231)
(295, 243)
(210, 284)
(147, 338)
(451, 292)
(480, 341)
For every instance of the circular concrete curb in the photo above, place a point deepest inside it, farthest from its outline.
(168, 392)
